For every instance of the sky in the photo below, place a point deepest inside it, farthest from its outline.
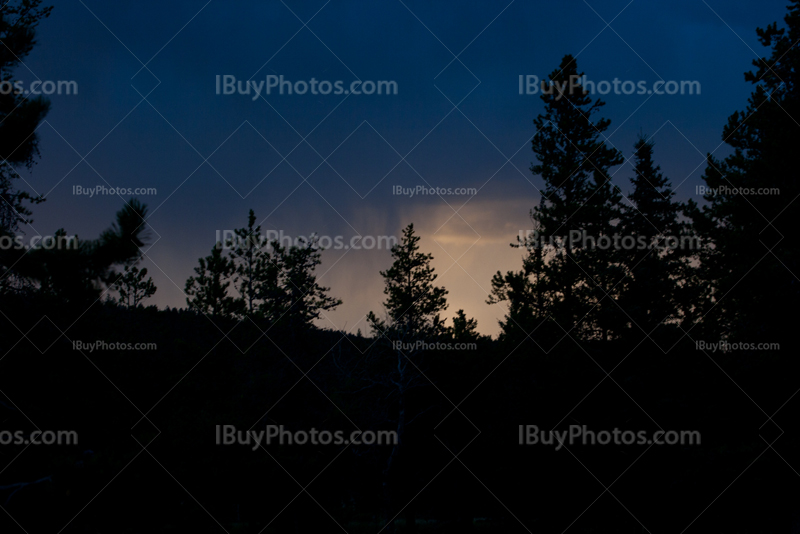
(147, 114)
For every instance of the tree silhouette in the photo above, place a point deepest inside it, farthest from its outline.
(249, 256)
(464, 330)
(133, 287)
(568, 281)
(207, 291)
(20, 114)
(413, 308)
(651, 222)
(414, 303)
(276, 284)
(292, 294)
(751, 238)
(75, 270)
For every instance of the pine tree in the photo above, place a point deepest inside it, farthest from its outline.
(248, 254)
(573, 282)
(292, 294)
(76, 271)
(413, 310)
(752, 244)
(464, 330)
(207, 291)
(133, 287)
(414, 302)
(651, 222)
(20, 117)
(20, 114)
(526, 292)
(276, 283)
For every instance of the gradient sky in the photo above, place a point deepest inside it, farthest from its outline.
(147, 115)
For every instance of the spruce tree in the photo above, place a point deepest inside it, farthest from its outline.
(651, 222)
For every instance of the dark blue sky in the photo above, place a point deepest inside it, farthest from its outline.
(203, 152)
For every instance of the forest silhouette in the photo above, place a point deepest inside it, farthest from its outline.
(617, 287)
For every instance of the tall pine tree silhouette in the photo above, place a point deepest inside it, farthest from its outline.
(753, 246)
(569, 281)
(651, 222)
